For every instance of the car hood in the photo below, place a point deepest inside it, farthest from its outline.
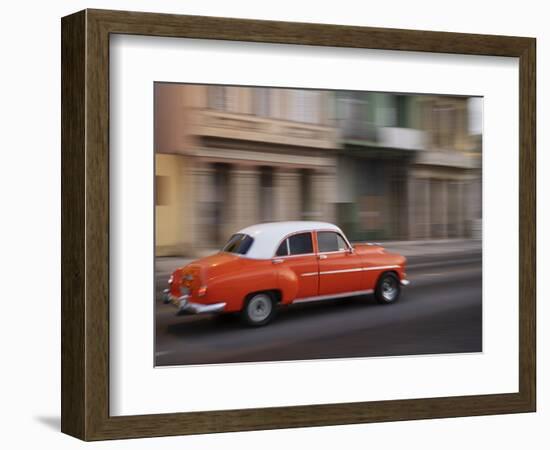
(368, 249)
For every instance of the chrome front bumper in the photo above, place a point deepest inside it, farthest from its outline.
(184, 306)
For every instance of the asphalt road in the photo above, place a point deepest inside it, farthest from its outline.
(440, 312)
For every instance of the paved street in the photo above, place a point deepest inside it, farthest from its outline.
(440, 312)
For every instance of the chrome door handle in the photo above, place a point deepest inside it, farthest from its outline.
(322, 256)
(277, 261)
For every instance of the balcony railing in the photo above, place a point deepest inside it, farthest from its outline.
(402, 138)
(389, 137)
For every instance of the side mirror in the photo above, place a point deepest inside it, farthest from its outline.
(350, 250)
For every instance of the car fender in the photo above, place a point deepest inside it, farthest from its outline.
(233, 288)
(288, 284)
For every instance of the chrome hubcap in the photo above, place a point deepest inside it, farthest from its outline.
(389, 288)
(259, 308)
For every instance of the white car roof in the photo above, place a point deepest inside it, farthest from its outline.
(267, 236)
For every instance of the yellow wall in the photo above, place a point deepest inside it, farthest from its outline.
(173, 228)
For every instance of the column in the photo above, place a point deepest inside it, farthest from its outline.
(323, 191)
(244, 197)
(288, 197)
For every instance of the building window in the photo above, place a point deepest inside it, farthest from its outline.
(161, 190)
(353, 114)
(216, 97)
(261, 102)
(402, 111)
(223, 98)
(444, 119)
(278, 102)
(305, 106)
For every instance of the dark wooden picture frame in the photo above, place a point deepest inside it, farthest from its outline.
(85, 224)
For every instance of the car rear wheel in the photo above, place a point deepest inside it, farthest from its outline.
(388, 288)
(259, 309)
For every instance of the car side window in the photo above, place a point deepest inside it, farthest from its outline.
(283, 249)
(300, 244)
(329, 241)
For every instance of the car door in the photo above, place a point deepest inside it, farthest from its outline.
(339, 268)
(297, 255)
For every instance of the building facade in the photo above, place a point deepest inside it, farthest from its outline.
(444, 184)
(382, 166)
(227, 157)
(408, 168)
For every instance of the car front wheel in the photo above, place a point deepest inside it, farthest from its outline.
(259, 309)
(387, 289)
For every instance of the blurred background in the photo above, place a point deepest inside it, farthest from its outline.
(382, 166)
(397, 168)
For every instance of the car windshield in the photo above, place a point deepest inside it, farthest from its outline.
(238, 243)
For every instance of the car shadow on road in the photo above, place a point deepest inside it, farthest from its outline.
(226, 323)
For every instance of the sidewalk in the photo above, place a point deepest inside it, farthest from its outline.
(433, 247)
(413, 250)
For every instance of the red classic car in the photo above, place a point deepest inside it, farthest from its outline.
(282, 263)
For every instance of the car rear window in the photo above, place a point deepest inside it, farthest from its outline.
(238, 243)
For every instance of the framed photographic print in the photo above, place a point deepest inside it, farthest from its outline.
(271, 224)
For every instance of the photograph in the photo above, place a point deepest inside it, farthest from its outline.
(301, 224)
